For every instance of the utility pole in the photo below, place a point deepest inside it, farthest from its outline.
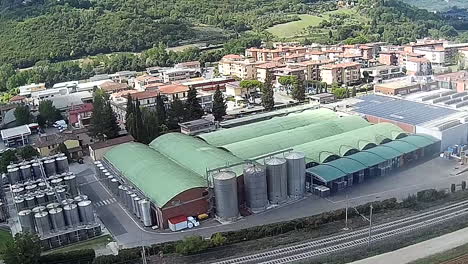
(370, 226)
(143, 255)
(346, 217)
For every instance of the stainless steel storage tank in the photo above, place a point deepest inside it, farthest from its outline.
(114, 186)
(20, 204)
(42, 222)
(30, 188)
(80, 198)
(17, 191)
(127, 200)
(67, 201)
(61, 192)
(296, 174)
(255, 183)
(70, 181)
(122, 191)
(40, 198)
(30, 200)
(72, 218)
(277, 185)
(225, 189)
(56, 181)
(38, 209)
(103, 172)
(108, 180)
(36, 170)
(14, 175)
(49, 167)
(50, 194)
(57, 218)
(136, 204)
(146, 212)
(52, 206)
(26, 221)
(61, 164)
(86, 212)
(132, 203)
(42, 185)
(26, 172)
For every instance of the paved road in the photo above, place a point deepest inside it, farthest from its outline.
(420, 250)
(437, 173)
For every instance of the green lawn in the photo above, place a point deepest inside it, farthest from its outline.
(295, 28)
(89, 244)
(4, 238)
(444, 256)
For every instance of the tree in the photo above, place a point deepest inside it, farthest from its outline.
(129, 110)
(298, 92)
(176, 114)
(24, 249)
(354, 92)
(151, 125)
(161, 110)
(63, 149)
(28, 152)
(219, 105)
(288, 81)
(103, 120)
(6, 158)
(191, 245)
(268, 100)
(365, 76)
(48, 112)
(192, 106)
(22, 115)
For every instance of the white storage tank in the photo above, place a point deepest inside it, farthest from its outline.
(61, 164)
(86, 212)
(40, 198)
(70, 181)
(136, 202)
(26, 221)
(42, 222)
(255, 183)
(26, 172)
(81, 197)
(277, 185)
(49, 167)
(72, 217)
(145, 213)
(14, 175)
(225, 189)
(57, 219)
(36, 170)
(296, 174)
(114, 186)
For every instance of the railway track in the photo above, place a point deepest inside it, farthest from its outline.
(322, 247)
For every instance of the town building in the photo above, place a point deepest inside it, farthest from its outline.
(176, 74)
(99, 149)
(267, 68)
(418, 66)
(237, 66)
(79, 116)
(122, 76)
(404, 86)
(388, 58)
(195, 65)
(343, 73)
(147, 82)
(196, 127)
(146, 98)
(436, 55)
(457, 81)
(26, 90)
(48, 94)
(65, 102)
(381, 73)
(16, 136)
(18, 99)
(110, 87)
(47, 145)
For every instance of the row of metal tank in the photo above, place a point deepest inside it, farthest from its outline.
(128, 197)
(34, 193)
(66, 238)
(29, 170)
(56, 217)
(281, 178)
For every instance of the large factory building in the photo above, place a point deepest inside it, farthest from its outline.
(257, 165)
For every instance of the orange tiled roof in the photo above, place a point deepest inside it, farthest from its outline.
(173, 89)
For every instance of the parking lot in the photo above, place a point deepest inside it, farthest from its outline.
(437, 173)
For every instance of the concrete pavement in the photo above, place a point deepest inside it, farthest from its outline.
(420, 250)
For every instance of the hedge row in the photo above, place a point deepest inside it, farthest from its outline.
(85, 256)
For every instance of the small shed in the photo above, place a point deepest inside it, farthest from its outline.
(323, 98)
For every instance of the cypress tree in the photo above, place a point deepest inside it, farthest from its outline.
(176, 114)
(161, 110)
(268, 101)
(129, 110)
(298, 90)
(219, 105)
(193, 108)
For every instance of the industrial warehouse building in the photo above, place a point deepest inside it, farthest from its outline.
(177, 173)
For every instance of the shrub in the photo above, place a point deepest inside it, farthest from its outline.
(218, 240)
(191, 245)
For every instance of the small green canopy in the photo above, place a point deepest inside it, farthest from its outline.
(326, 173)
(384, 152)
(367, 158)
(347, 165)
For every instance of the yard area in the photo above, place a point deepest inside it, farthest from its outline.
(95, 243)
(5, 236)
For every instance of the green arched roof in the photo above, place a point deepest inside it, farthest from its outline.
(340, 145)
(274, 125)
(158, 177)
(255, 147)
(194, 154)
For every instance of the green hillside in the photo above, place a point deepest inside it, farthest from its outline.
(438, 5)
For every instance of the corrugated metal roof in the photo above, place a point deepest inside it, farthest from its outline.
(347, 165)
(419, 140)
(193, 153)
(274, 125)
(367, 158)
(158, 177)
(259, 146)
(402, 146)
(326, 172)
(340, 145)
(384, 152)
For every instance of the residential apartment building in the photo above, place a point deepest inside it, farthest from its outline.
(175, 74)
(180, 91)
(26, 90)
(456, 81)
(195, 65)
(146, 98)
(291, 70)
(388, 58)
(79, 116)
(142, 83)
(238, 66)
(272, 54)
(267, 68)
(343, 73)
(435, 55)
(381, 73)
(418, 66)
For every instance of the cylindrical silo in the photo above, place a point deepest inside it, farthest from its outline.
(132, 206)
(277, 185)
(145, 209)
(136, 204)
(17, 191)
(26, 172)
(26, 221)
(61, 192)
(56, 181)
(104, 172)
(57, 219)
(255, 183)
(61, 164)
(70, 180)
(42, 185)
(20, 204)
(67, 201)
(80, 198)
(49, 167)
(42, 222)
(36, 168)
(114, 186)
(30, 200)
(40, 198)
(122, 191)
(52, 206)
(127, 200)
(14, 175)
(86, 212)
(225, 189)
(50, 195)
(72, 218)
(296, 174)
(108, 180)
(38, 209)
(30, 188)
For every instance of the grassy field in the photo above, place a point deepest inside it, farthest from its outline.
(444, 256)
(295, 29)
(437, 5)
(89, 244)
(4, 238)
